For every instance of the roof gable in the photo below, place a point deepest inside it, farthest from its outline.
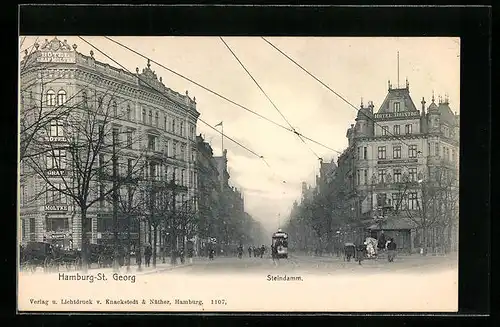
(397, 95)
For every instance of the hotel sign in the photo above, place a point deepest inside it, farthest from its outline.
(56, 139)
(56, 208)
(402, 114)
(56, 172)
(397, 161)
(57, 57)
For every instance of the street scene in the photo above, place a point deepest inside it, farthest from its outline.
(291, 164)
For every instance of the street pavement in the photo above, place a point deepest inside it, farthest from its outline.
(317, 265)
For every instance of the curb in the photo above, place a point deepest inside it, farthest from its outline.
(166, 269)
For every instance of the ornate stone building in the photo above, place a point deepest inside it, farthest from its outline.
(392, 153)
(160, 120)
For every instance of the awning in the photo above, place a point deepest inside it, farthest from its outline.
(393, 224)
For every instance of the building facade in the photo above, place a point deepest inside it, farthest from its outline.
(392, 154)
(153, 122)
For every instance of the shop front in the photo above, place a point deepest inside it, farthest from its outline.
(398, 228)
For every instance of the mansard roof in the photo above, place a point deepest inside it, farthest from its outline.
(403, 95)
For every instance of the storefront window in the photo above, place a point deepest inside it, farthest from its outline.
(57, 224)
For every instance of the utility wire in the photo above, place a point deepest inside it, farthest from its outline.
(268, 98)
(221, 96)
(330, 89)
(145, 82)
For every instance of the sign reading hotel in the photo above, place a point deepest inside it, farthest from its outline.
(402, 114)
(56, 208)
(56, 57)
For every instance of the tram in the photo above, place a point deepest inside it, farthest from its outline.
(280, 243)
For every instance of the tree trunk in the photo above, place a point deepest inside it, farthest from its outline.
(424, 239)
(85, 247)
(129, 241)
(155, 242)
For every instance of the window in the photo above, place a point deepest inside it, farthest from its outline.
(182, 128)
(397, 175)
(152, 142)
(381, 152)
(99, 102)
(408, 129)
(54, 196)
(85, 99)
(157, 119)
(57, 159)
(396, 152)
(183, 176)
(129, 112)
(412, 172)
(359, 153)
(130, 166)
(396, 200)
(412, 151)
(174, 149)
(56, 128)
(173, 126)
(129, 139)
(437, 149)
(167, 141)
(193, 155)
(56, 224)
(144, 116)
(397, 107)
(32, 225)
(381, 199)
(61, 97)
(396, 129)
(385, 130)
(412, 201)
(165, 124)
(150, 117)
(365, 176)
(51, 98)
(428, 148)
(115, 109)
(182, 151)
(365, 153)
(381, 175)
(453, 154)
(115, 136)
(358, 177)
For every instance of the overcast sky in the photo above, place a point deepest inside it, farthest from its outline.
(353, 67)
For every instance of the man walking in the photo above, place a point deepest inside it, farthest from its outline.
(391, 250)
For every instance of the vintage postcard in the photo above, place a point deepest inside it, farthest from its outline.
(214, 174)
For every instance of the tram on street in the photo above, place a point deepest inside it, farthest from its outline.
(280, 244)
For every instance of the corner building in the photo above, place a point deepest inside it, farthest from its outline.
(395, 146)
(163, 120)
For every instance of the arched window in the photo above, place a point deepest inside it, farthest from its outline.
(61, 97)
(143, 116)
(157, 118)
(150, 117)
(85, 99)
(128, 111)
(51, 98)
(115, 109)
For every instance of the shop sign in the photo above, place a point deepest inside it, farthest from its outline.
(56, 208)
(56, 139)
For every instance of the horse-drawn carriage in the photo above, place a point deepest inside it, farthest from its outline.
(47, 256)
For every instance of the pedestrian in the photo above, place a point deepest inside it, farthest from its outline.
(147, 254)
(262, 250)
(391, 250)
(250, 251)
(360, 252)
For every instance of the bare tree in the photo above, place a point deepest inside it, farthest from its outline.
(80, 163)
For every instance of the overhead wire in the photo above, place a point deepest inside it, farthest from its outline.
(146, 83)
(331, 90)
(268, 98)
(222, 96)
